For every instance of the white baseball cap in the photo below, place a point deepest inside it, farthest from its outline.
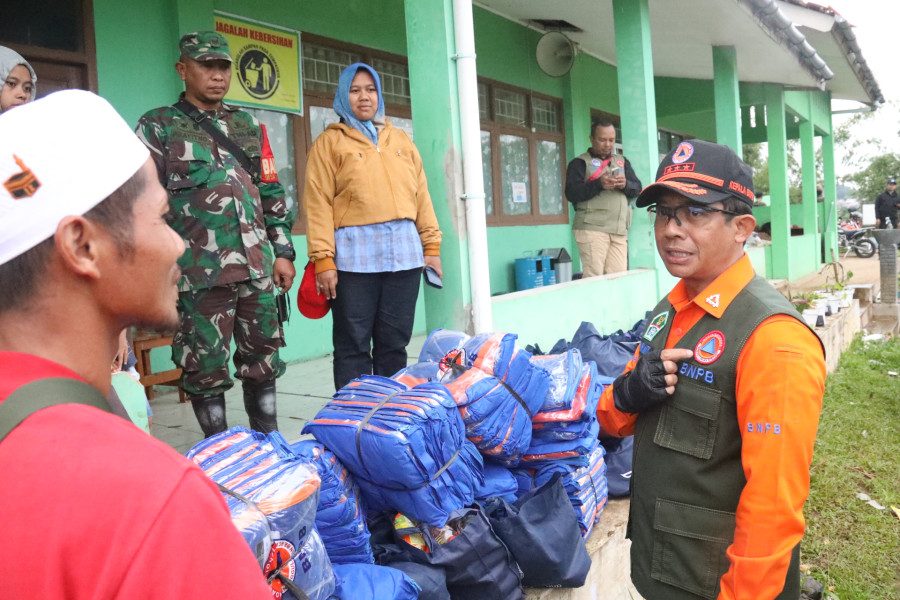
(59, 156)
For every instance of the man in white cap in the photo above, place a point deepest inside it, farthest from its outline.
(92, 507)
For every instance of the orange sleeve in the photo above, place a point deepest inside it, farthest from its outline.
(613, 422)
(779, 388)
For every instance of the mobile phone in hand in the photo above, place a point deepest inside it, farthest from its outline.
(432, 278)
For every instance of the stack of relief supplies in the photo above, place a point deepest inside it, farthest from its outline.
(272, 495)
(493, 383)
(340, 518)
(406, 447)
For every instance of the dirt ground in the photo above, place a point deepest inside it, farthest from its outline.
(864, 270)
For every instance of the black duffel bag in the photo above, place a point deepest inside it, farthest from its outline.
(477, 564)
(541, 530)
(431, 580)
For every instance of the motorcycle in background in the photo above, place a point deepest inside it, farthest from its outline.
(858, 240)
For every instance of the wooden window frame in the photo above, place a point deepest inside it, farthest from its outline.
(532, 135)
(86, 57)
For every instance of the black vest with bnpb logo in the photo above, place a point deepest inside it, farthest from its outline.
(688, 475)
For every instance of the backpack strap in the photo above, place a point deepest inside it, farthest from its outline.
(43, 393)
(202, 119)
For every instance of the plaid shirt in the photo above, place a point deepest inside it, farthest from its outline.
(378, 248)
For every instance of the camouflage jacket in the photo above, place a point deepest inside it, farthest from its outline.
(233, 228)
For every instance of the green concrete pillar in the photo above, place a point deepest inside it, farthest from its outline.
(577, 116)
(830, 206)
(436, 127)
(637, 107)
(810, 221)
(728, 100)
(776, 132)
(576, 109)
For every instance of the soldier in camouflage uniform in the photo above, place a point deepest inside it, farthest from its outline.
(236, 225)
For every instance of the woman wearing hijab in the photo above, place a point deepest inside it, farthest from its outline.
(370, 229)
(18, 79)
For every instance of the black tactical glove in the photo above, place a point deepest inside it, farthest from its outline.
(643, 387)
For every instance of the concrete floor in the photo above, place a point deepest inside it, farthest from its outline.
(302, 391)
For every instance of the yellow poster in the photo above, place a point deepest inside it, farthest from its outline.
(266, 68)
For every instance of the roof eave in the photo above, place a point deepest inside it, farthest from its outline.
(782, 30)
(846, 39)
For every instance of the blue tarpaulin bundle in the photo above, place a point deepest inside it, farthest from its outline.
(406, 447)
(440, 343)
(373, 582)
(586, 486)
(573, 418)
(570, 452)
(263, 476)
(493, 353)
(494, 384)
(422, 372)
(497, 355)
(340, 520)
(311, 571)
(499, 482)
(497, 420)
(564, 370)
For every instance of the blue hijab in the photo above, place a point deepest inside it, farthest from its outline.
(342, 102)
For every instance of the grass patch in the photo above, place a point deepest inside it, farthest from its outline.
(851, 547)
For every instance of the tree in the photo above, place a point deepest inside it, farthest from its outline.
(758, 160)
(871, 180)
(753, 156)
(866, 144)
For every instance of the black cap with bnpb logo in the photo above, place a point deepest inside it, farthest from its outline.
(703, 172)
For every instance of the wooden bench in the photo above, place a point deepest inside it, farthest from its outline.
(142, 343)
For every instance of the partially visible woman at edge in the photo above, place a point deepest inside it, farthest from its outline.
(17, 78)
(370, 229)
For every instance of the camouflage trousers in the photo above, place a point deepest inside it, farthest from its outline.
(209, 318)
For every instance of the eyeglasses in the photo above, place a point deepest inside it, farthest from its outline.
(691, 214)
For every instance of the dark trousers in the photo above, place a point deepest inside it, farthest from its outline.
(373, 320)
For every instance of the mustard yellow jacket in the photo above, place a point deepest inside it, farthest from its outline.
(350, 182)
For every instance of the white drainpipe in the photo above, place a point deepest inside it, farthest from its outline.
(473, 182)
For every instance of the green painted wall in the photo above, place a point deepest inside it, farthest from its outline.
(506, 53)
(509, 243)
(803, 255)
(543, 316)
(136, 54)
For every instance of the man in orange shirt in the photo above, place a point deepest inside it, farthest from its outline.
(723, 397)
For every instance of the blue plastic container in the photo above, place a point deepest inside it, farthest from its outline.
(547, 270)
(534, 271)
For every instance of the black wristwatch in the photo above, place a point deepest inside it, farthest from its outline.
(289, 254)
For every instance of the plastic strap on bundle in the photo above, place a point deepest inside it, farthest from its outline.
(462, 369)
(270, 539)
(359, 429)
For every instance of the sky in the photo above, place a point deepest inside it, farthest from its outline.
(877, 28)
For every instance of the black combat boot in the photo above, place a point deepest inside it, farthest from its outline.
(210, 411)
(259, 400)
